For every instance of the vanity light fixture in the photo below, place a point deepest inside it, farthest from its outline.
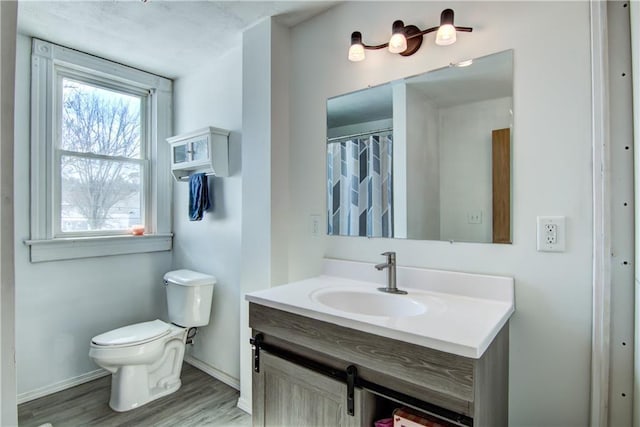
(407, 39)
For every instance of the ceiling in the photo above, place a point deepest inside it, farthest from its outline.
(169, 38)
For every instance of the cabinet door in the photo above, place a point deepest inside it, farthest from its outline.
(180, 153)
(200, 150)
(285, 394)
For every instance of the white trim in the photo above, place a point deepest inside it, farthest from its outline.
(244, 405)
(94, 65)
(601, 328)
(60, 73)
(214, 372)
(8, 20)
(46, 58)
(62, 385)
(634, 12)
(87, 247)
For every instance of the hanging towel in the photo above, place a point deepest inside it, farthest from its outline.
(198, 196)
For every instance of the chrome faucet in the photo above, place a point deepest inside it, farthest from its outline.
(390, 265)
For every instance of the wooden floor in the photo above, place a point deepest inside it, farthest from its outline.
(201, 401)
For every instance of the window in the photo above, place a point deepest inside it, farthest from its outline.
(99, 158)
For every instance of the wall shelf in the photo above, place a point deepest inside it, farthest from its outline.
(204, 150)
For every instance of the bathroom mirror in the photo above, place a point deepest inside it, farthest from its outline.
(427, 157)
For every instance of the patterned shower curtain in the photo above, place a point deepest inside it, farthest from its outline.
(359, 186)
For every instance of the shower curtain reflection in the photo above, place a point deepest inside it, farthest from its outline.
(359, 185)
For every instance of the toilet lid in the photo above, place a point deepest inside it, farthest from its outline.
(132, 334)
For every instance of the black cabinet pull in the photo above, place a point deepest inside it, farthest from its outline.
(352, 373)
(256, 342)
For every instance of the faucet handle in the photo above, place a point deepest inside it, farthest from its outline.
(389, 255)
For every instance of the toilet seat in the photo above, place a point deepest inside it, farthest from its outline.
(133, 335)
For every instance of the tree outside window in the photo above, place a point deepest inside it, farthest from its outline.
(101, 158)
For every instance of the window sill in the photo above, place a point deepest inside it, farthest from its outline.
(88, 247)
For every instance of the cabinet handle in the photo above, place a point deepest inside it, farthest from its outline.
(352, 373)
(256, 342)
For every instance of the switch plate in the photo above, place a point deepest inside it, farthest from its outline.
(316, 226)
(551, 233)
(474, 217)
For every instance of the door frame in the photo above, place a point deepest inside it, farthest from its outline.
(8, 22)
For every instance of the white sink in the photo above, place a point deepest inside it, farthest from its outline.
(458, 313)
(368, 302)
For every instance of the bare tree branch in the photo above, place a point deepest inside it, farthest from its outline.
(105, 125)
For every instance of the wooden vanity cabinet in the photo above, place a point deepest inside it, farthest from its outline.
(286, 394)
(464, 390)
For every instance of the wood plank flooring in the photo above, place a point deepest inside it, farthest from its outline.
(201, 401)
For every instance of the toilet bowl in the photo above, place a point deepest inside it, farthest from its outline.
(145, 359)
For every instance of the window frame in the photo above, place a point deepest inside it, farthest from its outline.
(49, 64)
(60, 74)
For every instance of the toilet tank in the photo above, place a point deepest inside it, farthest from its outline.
(189, 296)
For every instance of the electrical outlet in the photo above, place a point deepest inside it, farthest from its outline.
(551, 233)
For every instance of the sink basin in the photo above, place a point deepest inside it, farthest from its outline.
(368, 302)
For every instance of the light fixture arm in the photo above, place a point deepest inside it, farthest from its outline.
(412, 34)
(375, 47)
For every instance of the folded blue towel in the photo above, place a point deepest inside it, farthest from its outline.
(198, 196)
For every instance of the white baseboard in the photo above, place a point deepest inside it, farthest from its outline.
(61, 385)
(99, 373)
(244, 405)
(214, 372)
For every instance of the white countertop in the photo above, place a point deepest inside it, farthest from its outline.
(464, 312)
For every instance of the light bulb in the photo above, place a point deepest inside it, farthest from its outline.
(356, 53)
(356, 50)
(446, 35)
(397, 43)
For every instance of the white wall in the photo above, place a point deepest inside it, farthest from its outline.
(550, 337)
(400, 158)
(265, 176)
(465, 160)
(8, 413)
(212, 96)
(60, 306)
(423, 168)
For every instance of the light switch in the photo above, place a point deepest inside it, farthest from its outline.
(316, 225)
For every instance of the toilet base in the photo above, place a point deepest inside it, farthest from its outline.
(135, 385)
(127, 398)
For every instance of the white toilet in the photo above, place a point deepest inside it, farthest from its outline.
(146, 358)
